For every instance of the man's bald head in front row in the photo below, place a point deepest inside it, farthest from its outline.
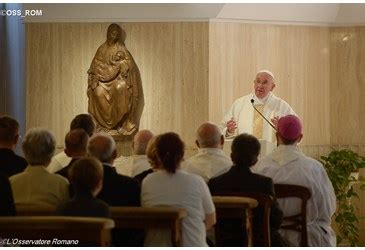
(140, 141)
(209, 136)
(102, 146)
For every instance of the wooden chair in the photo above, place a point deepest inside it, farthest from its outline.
(150, 218)
(296, 222)
(266, 202)
(234, 207)
(56, 230)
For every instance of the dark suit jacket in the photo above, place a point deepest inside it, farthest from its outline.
(64, 171)
(84, 204)
(11, 163)
(141, 176)
(7, 206)
(120, 190)
(240, 178)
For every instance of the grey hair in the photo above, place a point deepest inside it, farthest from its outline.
(101, 146)
(39, 146)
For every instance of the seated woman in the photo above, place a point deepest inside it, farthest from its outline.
(35, 186)
(170, 186)
(86, 176)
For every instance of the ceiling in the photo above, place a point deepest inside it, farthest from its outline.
(326, 14)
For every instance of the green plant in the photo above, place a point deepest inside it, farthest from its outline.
(340, 164)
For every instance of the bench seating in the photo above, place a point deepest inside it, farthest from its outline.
(55, 231)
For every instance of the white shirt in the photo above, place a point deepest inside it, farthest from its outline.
(181, 190)
(58, 162)
(243, 113)
(122, 165)
(208, 163)
(133, 165)
(36, 186)
(288, 165)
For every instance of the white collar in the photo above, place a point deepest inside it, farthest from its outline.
(140, 156)
(284, 154)
(210, 151)
(36, 168)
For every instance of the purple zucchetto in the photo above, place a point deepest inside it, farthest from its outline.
(289, 127)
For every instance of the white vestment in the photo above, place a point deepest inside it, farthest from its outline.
(58, 162)
(122, 165)
(243, 113)
(132, 166)
(288, 165)
(208, 163)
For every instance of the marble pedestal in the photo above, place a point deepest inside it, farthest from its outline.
(124, 145)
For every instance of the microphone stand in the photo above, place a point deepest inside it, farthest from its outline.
(252, 102)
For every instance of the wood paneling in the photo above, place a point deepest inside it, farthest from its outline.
(172, 58)
(192, 72)
(347, 85)
(297, 55)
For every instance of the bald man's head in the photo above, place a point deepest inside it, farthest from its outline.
(209, 136)
(102, 146)
(141, 140)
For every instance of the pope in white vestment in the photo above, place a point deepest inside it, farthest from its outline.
(288, 165)
(242, 118)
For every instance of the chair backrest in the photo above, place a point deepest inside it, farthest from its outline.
(266, 202)
(228, 207)
(130, 218)
(149, 218)
(26, 210)
(55, 231)
(296, 222)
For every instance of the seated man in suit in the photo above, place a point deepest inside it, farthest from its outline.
(117, 190)
(10, 163)
(75, 148)
(81, 121)
(245, 150)
(288, 165)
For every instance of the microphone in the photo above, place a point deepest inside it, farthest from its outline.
(252, 102)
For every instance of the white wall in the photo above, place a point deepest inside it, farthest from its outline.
(322, 14)
(123, 12)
